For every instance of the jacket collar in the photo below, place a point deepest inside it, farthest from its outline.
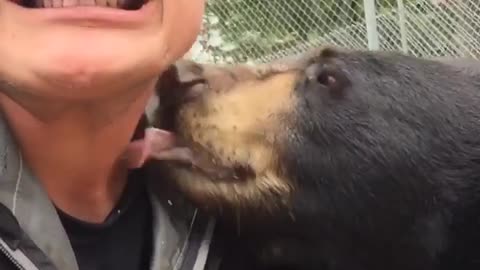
(24, 196)
(27, 200)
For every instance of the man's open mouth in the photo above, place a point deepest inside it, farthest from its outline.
(118, 4)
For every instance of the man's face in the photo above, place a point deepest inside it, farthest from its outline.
(87, 52)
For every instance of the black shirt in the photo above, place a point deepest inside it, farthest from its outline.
(123, 241)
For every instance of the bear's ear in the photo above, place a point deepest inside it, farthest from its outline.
(329, 51)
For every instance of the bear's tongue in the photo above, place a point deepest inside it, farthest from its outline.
(159, 145)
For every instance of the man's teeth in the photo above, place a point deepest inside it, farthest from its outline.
(73, 3)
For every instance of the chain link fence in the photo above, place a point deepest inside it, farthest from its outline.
(264, 30)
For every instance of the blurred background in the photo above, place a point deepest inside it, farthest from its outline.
(262, 30)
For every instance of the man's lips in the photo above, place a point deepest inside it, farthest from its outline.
(115, 4)
(87, 15)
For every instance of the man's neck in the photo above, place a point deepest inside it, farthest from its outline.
(75, 148)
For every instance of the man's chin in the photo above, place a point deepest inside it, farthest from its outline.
(95, 85)
(62, 72)
(66, 59)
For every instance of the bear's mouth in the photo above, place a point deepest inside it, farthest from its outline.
(117, 4)
(197, 159)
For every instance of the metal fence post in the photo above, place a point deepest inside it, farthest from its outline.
(402, 21)
(371, 24)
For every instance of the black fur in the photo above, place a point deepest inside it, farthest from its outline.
(385, 152)
(390, 172)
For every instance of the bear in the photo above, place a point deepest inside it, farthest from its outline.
(341, 159)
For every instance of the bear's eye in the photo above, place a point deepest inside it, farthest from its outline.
(326, 78)
(334, 80)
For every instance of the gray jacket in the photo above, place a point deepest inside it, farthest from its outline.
(182, 235)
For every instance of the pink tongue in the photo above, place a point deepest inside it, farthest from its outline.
(157, 144)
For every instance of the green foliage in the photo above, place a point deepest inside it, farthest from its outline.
(262, 27)
(249, 30)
